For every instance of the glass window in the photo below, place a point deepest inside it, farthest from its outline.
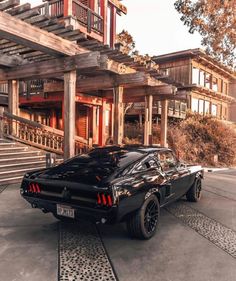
(207, 107)
(201, 106)
(201, 77)
(208, 80)
(214, 110)
(93, 167)
(215, 84)
(167, 160)
(194, 105)
(195, 75)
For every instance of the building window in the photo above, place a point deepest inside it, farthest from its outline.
(214, 109)
(201, 78)
(195, 75)
(207, 107)
(207, 80)
(215, 84)
(194, 105)
(201, 106)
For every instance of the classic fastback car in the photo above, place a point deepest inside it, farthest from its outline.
(113, 184)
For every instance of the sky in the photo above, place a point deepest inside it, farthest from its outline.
(155, 26)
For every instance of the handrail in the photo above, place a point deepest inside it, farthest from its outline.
(38, 135)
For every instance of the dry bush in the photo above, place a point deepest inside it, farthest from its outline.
(198, 138)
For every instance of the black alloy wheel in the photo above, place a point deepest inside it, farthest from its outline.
(144, 222)
(195, 191)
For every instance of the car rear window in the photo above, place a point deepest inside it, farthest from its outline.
(95, 166)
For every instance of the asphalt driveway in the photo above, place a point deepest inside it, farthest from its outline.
(195, 242)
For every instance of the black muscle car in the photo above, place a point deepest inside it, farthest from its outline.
(113, 184)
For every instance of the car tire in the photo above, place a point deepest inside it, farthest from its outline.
(144, 222)
(195, 191)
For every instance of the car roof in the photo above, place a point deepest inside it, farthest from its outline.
(139, 148)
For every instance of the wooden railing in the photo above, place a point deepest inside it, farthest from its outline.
(37, 135)
(87, 17)
(54, 8)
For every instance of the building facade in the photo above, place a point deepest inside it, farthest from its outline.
(210, 86)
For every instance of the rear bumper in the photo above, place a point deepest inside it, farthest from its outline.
(81, 213)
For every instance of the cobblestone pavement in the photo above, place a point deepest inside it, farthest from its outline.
(220, 235)
(82, 254)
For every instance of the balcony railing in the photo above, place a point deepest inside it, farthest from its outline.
(87, 17)
(54, 8)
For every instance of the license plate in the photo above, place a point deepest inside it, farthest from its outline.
(65, 211)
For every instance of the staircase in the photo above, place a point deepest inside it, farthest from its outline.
(17, 159)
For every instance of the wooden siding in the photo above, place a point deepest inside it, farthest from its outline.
(179, 70)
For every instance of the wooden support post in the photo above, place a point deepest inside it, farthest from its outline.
(13, 102)
(150, 105)
(118, 115)
(69, 114)
(147, 140)
(102, 125)
(94, 125)
(146, 126)
(53, 119)
(164, 117)
(68, 10)
(111, 121)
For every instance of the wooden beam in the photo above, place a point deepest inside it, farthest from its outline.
(118, 115)
(11, 61)
(9, 4)
(69, 114)
(164, 117)
(107, 81)
(54, 67)
(25, 34)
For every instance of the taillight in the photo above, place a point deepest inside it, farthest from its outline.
(104, 200)
(34, 188)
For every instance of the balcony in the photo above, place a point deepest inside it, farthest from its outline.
(88, 21)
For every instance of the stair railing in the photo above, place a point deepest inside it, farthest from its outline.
(37, 135)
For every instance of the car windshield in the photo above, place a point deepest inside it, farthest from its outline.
(95, 166)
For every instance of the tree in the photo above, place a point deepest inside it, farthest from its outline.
(215, 20)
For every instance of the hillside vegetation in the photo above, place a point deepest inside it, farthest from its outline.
(197, 139)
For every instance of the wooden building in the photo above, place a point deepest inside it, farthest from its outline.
(210, 86)
(65, 84)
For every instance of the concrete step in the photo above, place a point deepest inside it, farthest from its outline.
(18, 172)
(13, 149)
(20, 154)
(24, 165)
(6, 161)
(11, 180)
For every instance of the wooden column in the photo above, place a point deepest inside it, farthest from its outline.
(69, 113)
(164, 117)
(111, 121)
(94, 125)
(118, 115)
(13, 102)
(53, 119)
(102, 125)
(68, 8)
(104, 5)
(147, 140)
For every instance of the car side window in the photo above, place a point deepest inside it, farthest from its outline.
(167, 160)
(145, 165)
